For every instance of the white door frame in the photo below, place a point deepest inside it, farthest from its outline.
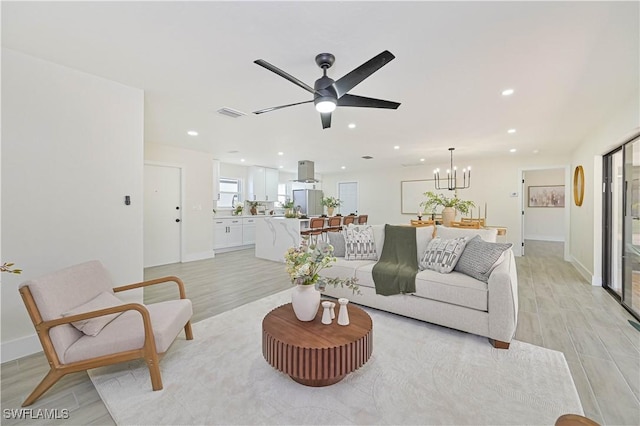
(567, 205)
(182, 201)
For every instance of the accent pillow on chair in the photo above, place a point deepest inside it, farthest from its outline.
(480, 258)
(442, 255)
(93, 326)
(359, 243)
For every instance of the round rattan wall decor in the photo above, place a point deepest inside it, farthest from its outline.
(578, 185)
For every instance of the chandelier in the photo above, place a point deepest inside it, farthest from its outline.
(452, 178)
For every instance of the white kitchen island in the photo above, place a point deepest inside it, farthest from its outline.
(275, 235)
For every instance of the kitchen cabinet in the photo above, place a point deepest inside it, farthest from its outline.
(249, 230)
(263, 184)
(227, 233)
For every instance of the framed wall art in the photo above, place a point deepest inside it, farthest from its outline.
(546, 196)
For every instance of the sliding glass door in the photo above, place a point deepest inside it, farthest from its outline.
(621, 224)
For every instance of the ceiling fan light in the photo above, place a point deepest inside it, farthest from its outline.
(326, 105)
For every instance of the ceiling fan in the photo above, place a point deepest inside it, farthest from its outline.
(329, 94)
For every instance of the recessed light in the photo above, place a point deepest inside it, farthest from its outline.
(192, 133)
(535, 151)
(343, 167)
(512, 150)
(242, 160)
(396, 147)
(422, 159)
(352, 125)
(281, 167)
(507, 92)
(511, 131)
(280, 153)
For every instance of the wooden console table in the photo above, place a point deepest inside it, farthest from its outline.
(312, 353)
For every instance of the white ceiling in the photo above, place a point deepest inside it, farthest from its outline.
(571, 64)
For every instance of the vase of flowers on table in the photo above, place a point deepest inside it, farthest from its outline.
(450, 206)
(304, 264)
(330, 203)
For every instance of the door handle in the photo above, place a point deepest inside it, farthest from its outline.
(177, 220)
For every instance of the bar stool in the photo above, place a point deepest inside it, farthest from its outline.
(333, 224)
(347, 220)
(316, 227)
(362, 219)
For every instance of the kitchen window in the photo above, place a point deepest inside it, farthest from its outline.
(230, 192)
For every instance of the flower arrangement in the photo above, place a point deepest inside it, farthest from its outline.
(287, 204)
(330, 202)
(434, 200)
(238, 210)
(304, 264)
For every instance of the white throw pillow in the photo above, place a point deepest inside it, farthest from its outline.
(93, 326)
(442, 255)
(359, 243)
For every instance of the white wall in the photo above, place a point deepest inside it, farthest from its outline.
(586, 220)
(544, 223)
(494, 181)
(197, 196)
(72, 148)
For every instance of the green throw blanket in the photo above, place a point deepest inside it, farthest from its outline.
(396, 270)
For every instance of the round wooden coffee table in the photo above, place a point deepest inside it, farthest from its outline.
(312, 353)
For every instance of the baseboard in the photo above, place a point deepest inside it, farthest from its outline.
(554, 238)
(595, 281)
(236, 248)
(192, 257)
(18, 348)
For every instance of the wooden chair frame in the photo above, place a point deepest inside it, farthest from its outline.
(146, 352)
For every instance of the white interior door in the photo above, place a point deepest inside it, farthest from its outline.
(162, 215)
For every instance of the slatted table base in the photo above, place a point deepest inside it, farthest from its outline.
(312, 353)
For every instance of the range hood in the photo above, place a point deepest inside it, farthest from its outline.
(306, 172)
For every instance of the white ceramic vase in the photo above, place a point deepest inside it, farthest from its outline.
(305, 300)
(448, 216)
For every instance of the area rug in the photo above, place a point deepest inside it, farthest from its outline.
(419, 373)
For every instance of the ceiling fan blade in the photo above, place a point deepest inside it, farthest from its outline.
(262, 111)
(326, 119)
(283, 74)
(361, 101)
(356, 76)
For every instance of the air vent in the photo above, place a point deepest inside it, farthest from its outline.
(367, 157)
(229, 112)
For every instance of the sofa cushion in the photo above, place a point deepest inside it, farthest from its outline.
(92, 326)
(343, 268)
(455, 288)
(487, 234)
(336, 239)
(480, 258)
(360, 243)
(442, 255)
(424, 234)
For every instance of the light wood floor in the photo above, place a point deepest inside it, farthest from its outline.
(558, 310)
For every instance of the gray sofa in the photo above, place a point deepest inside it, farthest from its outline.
(453, 299)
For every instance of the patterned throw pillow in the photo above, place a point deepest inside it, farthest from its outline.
(480, 257)
(359, 243)
(336, 239)
(442, 255)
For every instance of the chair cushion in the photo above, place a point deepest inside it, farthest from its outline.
(92, 326)
(480, 258)
(127, 331)
(442, 255)
(66, 289)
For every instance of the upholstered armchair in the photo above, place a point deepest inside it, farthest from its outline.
(81, 324)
